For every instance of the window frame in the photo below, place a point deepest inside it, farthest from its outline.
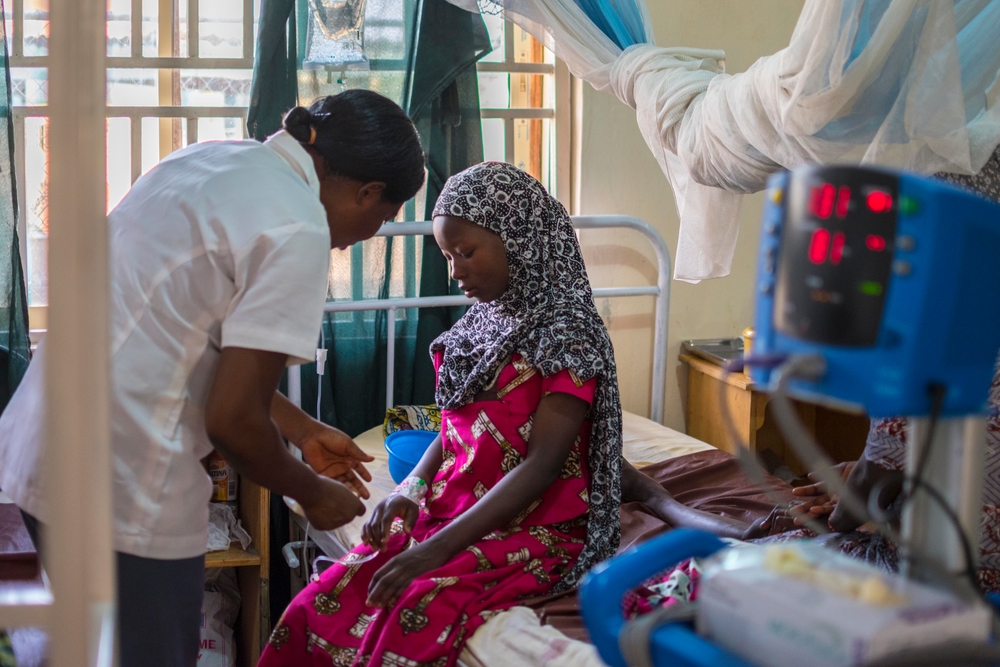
(559, 113)
(166, 66)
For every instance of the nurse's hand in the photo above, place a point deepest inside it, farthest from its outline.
(330, 504)
(332, 453)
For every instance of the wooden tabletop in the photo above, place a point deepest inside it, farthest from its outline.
(232, 557)
(718, 372)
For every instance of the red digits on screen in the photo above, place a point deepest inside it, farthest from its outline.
(875, 243)
(843, 201)
(819, 246)
(821, 200)
(837, 251)
(826, 199)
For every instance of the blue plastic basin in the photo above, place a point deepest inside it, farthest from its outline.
(405, 449)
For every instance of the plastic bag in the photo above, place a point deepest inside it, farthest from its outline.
(800, 603)
(219, 608)
(335, 35)
(224, 527)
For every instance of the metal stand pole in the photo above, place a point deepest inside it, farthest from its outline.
(954, 467)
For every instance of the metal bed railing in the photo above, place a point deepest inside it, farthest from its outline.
(660, 291)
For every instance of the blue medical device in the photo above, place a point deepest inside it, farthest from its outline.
(893, 278)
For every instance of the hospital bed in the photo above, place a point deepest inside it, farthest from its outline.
(645, 441)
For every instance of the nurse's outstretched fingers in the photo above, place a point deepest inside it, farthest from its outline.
(351, 481)
(330, 505)
(333, 453)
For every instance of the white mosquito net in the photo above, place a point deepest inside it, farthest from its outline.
(911, 84)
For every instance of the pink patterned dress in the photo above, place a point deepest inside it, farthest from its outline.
(329, 623)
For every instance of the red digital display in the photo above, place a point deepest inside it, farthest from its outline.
(824, 246)
(826, 200)
(826, 197)
(843, 201)
(819, 246)
(837, 251)
(875, 243)
(879, 201)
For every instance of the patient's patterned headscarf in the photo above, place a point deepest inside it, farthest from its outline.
(548, 315)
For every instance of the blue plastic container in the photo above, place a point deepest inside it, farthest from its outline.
(405, 449)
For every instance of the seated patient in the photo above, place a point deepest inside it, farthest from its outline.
(518, 497)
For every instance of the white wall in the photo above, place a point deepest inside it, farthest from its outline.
(619, 175)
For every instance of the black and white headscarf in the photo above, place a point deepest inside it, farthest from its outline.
(547, 315)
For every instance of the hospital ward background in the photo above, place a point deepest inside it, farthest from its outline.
(696, 146)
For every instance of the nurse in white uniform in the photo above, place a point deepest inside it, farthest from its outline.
(219, 264)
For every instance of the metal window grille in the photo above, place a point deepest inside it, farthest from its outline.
(178, 71)
(525, 94)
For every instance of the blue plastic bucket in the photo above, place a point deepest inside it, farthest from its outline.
(405, 449)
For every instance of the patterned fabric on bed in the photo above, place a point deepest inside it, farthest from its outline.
(412, 418)
(677, 585)
(680, 583)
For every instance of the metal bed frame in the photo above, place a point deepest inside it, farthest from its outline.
(661, 292)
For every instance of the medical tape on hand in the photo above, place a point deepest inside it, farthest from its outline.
(413, 488)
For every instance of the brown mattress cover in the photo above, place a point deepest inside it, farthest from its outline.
(711, 481)
(18, 559)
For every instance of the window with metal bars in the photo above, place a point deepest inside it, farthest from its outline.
(180, 71)
(524, 94)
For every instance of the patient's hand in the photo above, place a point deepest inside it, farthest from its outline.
(394, 577)
(377, 529)
(333, 454)
(864, 478)
(818, 503)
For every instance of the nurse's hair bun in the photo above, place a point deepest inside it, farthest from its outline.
(297, 123)
(363, 136)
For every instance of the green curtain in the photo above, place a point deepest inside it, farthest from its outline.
(274, 89)
(353, 385)
(433, 77)
(14, 344)
(442, 97)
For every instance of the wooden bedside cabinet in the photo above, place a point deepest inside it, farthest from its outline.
(841, 434)
(253, 625)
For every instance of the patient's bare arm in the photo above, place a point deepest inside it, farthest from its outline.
(637, 487)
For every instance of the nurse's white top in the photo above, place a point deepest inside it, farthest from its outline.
(223, 244)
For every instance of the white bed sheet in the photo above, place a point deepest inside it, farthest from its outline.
(516, 636)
